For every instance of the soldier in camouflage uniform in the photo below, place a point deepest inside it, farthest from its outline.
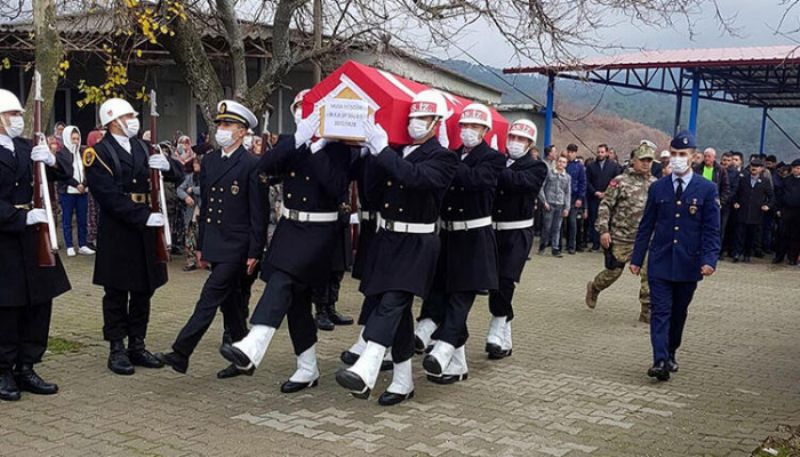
(618, 220)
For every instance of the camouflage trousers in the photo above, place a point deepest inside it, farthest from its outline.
(623, 252)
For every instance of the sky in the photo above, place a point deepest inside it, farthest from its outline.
(755, 22)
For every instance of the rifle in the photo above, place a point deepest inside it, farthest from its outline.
(157, 204)
(46, 242)
(266, 137)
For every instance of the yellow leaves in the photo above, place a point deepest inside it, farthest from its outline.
(113, 86)
(139, 53)
(62, 68)
(5, 64)
(141, 94)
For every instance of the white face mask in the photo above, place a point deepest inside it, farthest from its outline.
(418, 128)
(680, 165)
(15, 126)
(470, 137)
(224, 138)
(130, 128)
(298, 116)
(516, 149)
(248, 141)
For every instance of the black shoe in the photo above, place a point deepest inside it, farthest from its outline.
(233, 371)
(350, 358)
(595, 247)
(353, 383)
(290, 387)
(672, 365)
(497, 353)
(323, 320)
(338, 318)
(419, 345)
(579, 249)
(735, 259)
(232, 354)
(389, 399)
(118, 360)
(178, 362)
(558, 254)
(29, 381)
(431, 365)
(141, 357)
(448, 378)
(747, 259)
(659, 371)
(9, 391)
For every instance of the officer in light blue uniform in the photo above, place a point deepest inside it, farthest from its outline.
(679, 233)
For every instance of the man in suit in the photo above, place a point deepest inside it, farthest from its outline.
(26, 289)
(118, 174)
(754, 198)
(679, 233)
(598, 174)
(468, 260)
(314, 178)
(517, 188)
(408, 185)
(231, 234)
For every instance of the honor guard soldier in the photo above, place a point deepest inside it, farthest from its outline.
(231, 234)
(517, 187)
(26, 289)
(468, 260)
(679, 233)
(409, 186)
(118, 174)
(618, 219)
(299, 255)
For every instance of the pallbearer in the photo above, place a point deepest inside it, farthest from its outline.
(468, 261)
(232, 233)
(517, 187)
(408, 186)
(26, 289)
(118, 174)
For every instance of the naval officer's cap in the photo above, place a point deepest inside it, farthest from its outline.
(232, 111)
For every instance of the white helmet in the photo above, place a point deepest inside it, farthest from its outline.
(114, 108)
(476, 113)
(9, 102)
(429, 102)
(525, 129)
(298, 99)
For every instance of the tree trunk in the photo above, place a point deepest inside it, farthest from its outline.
(48, 55)
(233, 32)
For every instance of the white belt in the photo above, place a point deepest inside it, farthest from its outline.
(513, 225)
(368, 215)
(305, 216)
(455, 226)
(405, 227)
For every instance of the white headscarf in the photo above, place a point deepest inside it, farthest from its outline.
(75, 149)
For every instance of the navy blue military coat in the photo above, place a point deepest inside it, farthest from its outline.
(311, 182)
(517, 188)
(679, 236)
(366, 228)
(232, 224)
(22, 281)
(468, 260)
(126, 247)
(411, 190)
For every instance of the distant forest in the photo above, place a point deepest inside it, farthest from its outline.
(720, 125)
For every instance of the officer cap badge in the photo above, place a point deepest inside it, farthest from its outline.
(235, 188)
(693, 207)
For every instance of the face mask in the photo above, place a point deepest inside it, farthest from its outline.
(224, 138)
(248, 142)
(516, 149)
(298, 116)
(418, 128)
(470, 137)
(679, 164)
(130, 128)
(15, 126)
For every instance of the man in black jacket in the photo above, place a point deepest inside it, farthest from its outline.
(754, 197)
(715, 173)
(598, 174)
(788, 242)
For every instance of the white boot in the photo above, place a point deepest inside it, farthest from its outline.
(435, 362)
(423, 332)
(360, 344)
(495, 334)
(507, 338)
(307, 370)
(402, 386)
(458, 363)
(361, 377)
(255, 344)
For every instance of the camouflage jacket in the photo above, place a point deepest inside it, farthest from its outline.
(622, 206)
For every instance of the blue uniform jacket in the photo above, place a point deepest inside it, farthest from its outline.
(681, 235)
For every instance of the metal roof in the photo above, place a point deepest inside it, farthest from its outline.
(767, 77)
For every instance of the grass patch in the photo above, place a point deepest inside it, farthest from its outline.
(58, 345)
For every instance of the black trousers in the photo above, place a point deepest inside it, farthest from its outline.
(748, 239)
(788, 241)
(453, 328)
(23, 334)
(500, 300)
(222, 290)
(435, 306)
(392, 324)
(367, 307)
(285, 296)
(125, 313)
(329, 293)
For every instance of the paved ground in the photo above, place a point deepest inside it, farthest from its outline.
(575, 386)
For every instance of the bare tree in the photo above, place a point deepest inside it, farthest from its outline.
(49, 52)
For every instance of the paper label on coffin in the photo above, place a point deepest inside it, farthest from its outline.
(343, 112)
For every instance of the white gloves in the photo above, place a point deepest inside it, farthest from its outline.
(158, 162)
(306, 129)
(36, 215)
(41, 153)
(318, 145)
(155, 220)
(376, 137)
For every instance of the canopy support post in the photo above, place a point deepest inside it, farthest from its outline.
(695, 102)
(763, 131)
(548, 121)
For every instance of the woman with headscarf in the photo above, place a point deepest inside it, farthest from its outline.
(73, 194)
(183, 152)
